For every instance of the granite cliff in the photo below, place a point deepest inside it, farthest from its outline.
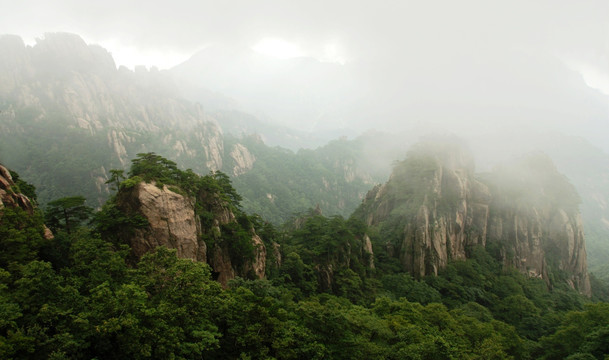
(202, 227)
(434, 208)
(11, 197)
(62, 96)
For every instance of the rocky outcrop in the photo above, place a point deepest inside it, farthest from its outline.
(11, 198)
(225, 263)
(441, 210)
(259, 262)
(75, 88)
(438, 205)
(243, 159)
(535, 221)
(367, 251)
(173, 223)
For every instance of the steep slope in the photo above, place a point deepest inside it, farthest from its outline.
(62, 98)
(171, 221)
(197, 216)
(535, 221)
(11, 196)
(434, 209)
(22, 231)
(282, 183)
(431, 208)
(68, 116)
(586, 166)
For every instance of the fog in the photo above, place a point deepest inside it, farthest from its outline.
(470, 67)
(507, 77)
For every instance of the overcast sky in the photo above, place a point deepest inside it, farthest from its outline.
(356, 29)
(452, 54)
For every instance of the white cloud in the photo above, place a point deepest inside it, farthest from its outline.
(277, 48)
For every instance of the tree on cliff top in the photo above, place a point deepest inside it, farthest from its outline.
(151, 166)
(67, 213)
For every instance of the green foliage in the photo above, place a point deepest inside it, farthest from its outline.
(67, 213)
(23, 187)
(116, 176)
(151, 166)
(283, 183)
(402, 285)
(332, 248)
(75, 296)
(580, 333)
(238, 241)
(114, 225)
(21, 236)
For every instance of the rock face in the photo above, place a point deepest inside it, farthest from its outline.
(535, 221)
(75, 89)
(173, 223)
(10, 198)
(439, 210)
(244, 160)
(437, 206)
(171, 218)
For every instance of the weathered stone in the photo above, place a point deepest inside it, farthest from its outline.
(12, 199)
(174, 224)
(171, 218)
(445, 212)
(244, 160)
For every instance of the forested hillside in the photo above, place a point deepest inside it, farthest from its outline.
(85, 293)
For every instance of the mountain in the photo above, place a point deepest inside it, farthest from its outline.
(68, 116)
(435, 209)
(584, 164)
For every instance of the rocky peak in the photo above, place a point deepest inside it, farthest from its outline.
(535, 220)
(243, 159)
(174, 223)
(74, 88)
(65, 52)
(441, 209)
(171, 221)
(435, 201)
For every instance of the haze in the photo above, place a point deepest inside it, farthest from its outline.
(468, 67)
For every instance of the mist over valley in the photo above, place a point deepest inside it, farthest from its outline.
(296, 182)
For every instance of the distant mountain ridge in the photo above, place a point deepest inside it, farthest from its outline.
(68, 116)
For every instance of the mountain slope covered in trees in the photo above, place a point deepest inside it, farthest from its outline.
(80, 294)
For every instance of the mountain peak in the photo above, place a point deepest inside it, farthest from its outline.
(436, 210)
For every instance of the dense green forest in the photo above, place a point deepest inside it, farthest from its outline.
(282, 183)
(82, 294)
